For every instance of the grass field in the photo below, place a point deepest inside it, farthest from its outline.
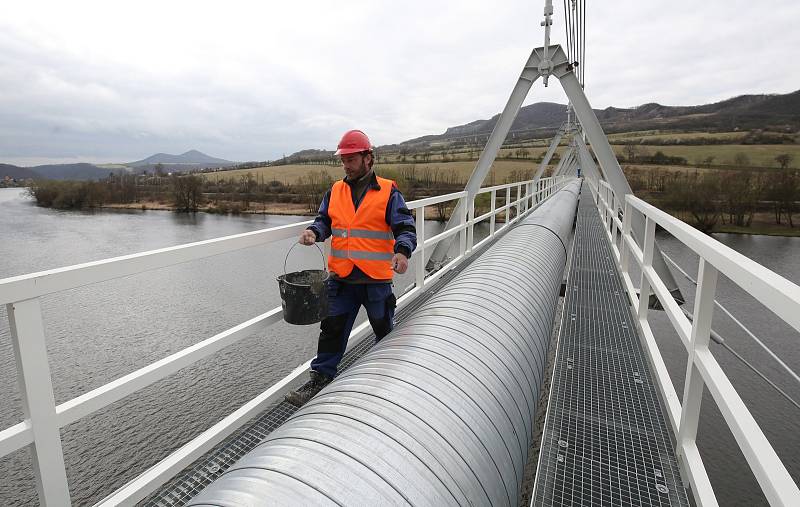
(642, 169)
(658, 136)
(291, 173)
(761, 155)
(461, 162)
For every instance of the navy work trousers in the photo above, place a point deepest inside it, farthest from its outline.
(344, 302)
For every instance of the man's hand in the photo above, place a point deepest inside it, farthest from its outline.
(399, 263)
(307, 237)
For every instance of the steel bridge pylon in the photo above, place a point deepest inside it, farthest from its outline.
(545, 62)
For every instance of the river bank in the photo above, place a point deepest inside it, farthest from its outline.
(763, 223)
(273, 208)
(760, 230)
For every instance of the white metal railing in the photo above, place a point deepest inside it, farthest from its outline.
(43, 419)
(781, 296)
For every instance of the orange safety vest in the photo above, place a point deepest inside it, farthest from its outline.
(361, 237)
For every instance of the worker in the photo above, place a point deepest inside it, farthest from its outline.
(373, 236)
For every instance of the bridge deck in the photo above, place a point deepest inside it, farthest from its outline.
(605, 440)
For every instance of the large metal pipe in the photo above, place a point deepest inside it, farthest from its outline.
(440, 411)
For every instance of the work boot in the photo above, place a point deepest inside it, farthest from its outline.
(309, 389)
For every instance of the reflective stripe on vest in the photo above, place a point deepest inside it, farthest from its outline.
(361, 233)
(361, 237)
(358, 254)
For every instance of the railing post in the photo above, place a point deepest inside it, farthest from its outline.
(471, 222)
(326, 249)
(603, 197)
(493, 218)
(420, 263)
(38, 402)
(624, 252)
(462, 235)
(508, 205)
(528, 204)
(701, 331)
(613, 218)
(524, 203)
(648, 245)
(519, 202)
(621, 236)
(604, 205)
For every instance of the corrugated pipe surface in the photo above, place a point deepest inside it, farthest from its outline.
(438, 413)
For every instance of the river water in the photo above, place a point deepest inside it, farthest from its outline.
(98, 333)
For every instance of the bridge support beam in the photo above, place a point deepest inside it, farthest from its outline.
(568, 168)
(587, 162)
(559, 66)
(529, 75)
(549, 155)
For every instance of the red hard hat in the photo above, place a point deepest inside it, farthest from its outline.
(353, 141)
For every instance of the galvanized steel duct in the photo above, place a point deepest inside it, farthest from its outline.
(438, 413)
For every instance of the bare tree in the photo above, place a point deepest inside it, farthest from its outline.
(409, 172)
(695, 194)
(784, 159)
(740, 193)
(782, 190)
(631, 152)
(246, 185)
(315, 184)
(187, 192)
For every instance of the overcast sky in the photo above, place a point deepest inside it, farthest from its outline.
(113, 81)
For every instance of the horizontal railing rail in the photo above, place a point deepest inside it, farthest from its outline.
(43, 419)
(703, 371)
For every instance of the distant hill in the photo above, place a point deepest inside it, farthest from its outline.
(190, 159)
(18, 173)
(81, 171)
(538, 120)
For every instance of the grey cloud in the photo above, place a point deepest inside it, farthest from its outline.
(395, 71)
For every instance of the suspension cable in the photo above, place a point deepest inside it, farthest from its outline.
(744, 328)
(720, 340)
(583, 43)
(568, 29)
(575, 29)
(576, 8)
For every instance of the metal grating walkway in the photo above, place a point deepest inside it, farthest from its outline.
(605, 440)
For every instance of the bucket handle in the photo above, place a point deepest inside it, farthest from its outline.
(290, 251)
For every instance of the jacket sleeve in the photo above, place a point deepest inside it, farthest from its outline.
(322, 224)
(402, 222)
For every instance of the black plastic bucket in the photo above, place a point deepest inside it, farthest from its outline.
(304, 294)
